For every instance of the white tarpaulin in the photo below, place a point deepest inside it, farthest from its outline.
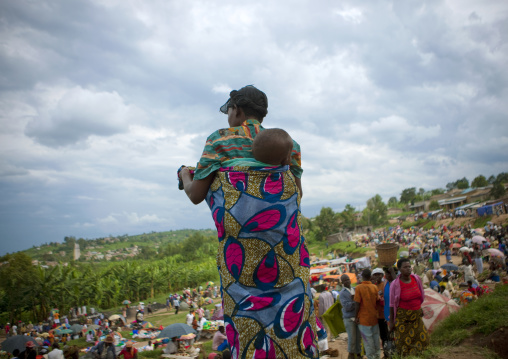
(342, 260)
(321, 270)
(363, 262)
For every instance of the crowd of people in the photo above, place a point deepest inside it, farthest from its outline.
(384, 310)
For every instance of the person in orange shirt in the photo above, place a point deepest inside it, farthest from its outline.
(56, 317)
(366, 298)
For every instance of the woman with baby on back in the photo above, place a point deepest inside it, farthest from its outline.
(246, 109)
(251, 179)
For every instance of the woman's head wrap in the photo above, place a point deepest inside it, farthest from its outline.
(247, 96)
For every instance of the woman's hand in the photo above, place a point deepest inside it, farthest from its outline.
(185, 171)
(391, 326)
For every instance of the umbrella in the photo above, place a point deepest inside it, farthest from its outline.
(436, 307)
(114, 317)
(456, 245)
(208, 301)
(76, 328)
(464, 249)
(126, 302)
(209, 283)
(479, 239)
(17, 342)
(63, 326)
(63, 331)
(188, 336)
(122, 318)
(450, 267)
(404, 254)
(176, 330)
(495, 252)
(147, 325)
(91, 328)
(118, 334)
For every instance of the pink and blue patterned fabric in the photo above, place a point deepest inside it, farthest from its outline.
(263, 263)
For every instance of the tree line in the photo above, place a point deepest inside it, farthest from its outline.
(375, 213)
(29, 292)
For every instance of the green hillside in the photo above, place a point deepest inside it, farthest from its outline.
(148, 244)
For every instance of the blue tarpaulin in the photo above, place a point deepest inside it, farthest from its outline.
(487, 209)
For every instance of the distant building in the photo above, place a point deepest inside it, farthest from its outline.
(77, 251)
(393, 210)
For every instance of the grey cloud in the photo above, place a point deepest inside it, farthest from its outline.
(103, 101)
(78, 115)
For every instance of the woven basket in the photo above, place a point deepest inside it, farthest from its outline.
(387, 253)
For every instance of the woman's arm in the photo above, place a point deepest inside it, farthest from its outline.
(196, 190)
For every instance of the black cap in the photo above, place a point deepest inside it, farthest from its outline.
(247, 96)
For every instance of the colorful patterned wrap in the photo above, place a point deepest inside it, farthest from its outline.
(263, 263)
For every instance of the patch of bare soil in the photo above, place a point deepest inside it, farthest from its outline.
(340, 343)
(463, 351)
(496, 342)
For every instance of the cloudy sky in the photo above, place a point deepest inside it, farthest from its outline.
(102, 101)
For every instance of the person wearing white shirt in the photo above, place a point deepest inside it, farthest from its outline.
(190, 318)
(56, 353)
(201, 322)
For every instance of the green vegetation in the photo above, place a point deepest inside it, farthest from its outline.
(497, 190)
(480, 222)
(150, 354)
(155, 245)
(479, 181)
(429, 225)
(347, 248)
(424, 223)
(29, 292)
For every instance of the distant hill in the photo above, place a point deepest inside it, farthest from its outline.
(112, 248)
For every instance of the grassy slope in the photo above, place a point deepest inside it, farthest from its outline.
(483, 316)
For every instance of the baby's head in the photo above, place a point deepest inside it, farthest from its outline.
(273, 146)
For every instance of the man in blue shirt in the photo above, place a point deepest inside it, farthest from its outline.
(448, 254)
(436, 261)
(354, 337)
